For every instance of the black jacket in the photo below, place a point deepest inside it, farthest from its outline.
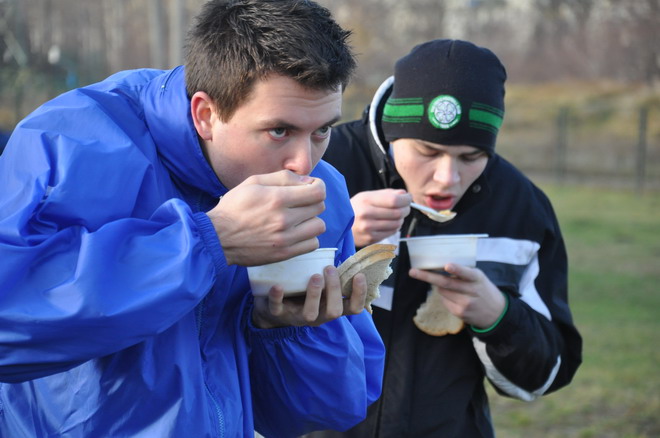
(434, 386)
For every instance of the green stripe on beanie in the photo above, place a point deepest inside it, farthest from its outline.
(491, 119)
(448, 92)
(403, 110)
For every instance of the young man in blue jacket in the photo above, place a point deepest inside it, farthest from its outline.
(429, 136)
(129, 210)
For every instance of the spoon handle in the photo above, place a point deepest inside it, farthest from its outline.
(423, 208)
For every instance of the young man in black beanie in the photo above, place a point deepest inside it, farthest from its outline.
(429, 137)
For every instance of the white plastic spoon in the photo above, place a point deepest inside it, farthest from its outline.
(438, 216)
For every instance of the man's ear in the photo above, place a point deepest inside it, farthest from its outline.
(201, 109)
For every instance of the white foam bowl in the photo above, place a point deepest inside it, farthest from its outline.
(292, 274)
(434, 252)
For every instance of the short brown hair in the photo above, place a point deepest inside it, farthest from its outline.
(233, 43)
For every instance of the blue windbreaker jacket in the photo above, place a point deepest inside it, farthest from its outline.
(119, 316)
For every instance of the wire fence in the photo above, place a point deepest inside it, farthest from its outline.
(601, 145)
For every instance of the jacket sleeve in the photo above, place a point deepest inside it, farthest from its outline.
(313, 378)
(535, 349)
(90, 264)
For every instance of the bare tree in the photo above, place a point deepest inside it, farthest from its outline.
(177, 31)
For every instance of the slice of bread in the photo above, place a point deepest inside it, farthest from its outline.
(434, 319)
(374, 262)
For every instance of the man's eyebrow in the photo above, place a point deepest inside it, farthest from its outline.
(282, 124)
(475, 152)
(333, 121)
(277, 123)
(435, 147)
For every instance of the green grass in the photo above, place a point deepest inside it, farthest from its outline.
(613, 243)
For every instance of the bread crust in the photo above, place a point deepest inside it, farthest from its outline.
(366, 252)
(374, 262)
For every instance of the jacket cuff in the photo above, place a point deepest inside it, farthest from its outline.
(507, 326)
(497, 321)
(272, 334)
(210, 239)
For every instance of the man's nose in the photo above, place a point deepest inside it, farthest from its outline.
(446, 171)
(299, 160)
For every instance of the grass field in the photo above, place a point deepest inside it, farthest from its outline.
(613, 242)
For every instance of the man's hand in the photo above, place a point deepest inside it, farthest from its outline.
(467, 293)
(378, 214)
(268, 218)
(323, 302)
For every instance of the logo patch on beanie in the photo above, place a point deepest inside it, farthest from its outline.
(444, 112)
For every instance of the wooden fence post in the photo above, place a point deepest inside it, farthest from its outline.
(562, 143)
(641, 149)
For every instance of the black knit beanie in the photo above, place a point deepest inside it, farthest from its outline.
(449, 92)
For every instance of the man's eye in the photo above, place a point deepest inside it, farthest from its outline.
(428, 152)
(471, 158)
(323, 132)
(278, 132)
